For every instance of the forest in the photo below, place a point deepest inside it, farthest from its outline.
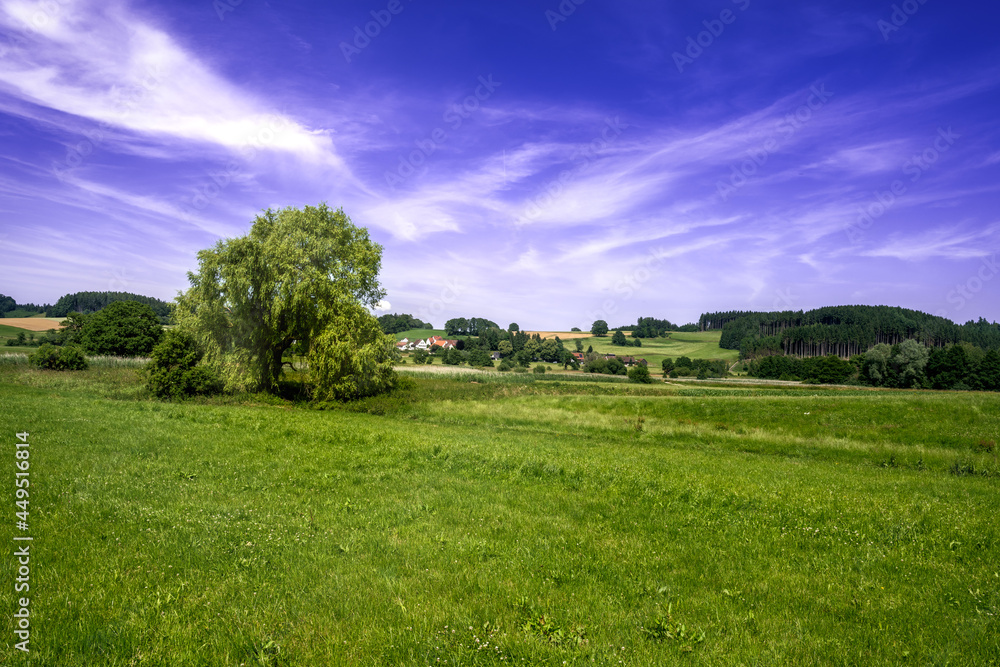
(841, 330)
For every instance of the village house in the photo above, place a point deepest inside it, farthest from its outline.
(428, 343)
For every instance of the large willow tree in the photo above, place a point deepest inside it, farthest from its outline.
(299, 276)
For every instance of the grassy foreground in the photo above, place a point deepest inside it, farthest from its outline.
(481, 521)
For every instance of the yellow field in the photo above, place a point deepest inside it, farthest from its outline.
(33, 323)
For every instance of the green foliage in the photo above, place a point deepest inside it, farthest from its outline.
(599, 328)
(173, 371)
(50, 357)
(421, 357)
(351, 358)
(619, 338)
(7, 304)
(575, 329)
(513, 327)
(473, 326)
(299, 275)
(393, 324)
(539, 369)
(91, 302)
(640, 373)
(122, 329)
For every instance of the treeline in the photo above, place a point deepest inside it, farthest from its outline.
(841, 330)
(11, 308)
(906, 365)
(394, 324)
(91, 302)
(473, 326)
(651, 327)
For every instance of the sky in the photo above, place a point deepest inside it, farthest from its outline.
(541, 162)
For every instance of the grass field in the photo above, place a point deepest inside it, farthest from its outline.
(493, 519)
(695, 345)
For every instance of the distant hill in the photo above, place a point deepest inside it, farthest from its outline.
(90, 302)
(841, 330)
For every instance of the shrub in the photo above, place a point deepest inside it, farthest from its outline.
(174, 371)
(640, 373)
(538, 369)
(505, 365)
(48, 356)
(122, 329)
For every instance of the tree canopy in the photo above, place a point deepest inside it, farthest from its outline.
(599, 328)
(299, 275)
(122, 329)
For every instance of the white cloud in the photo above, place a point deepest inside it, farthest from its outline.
(101, 62)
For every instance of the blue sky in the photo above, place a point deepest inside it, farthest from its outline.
(542, 162)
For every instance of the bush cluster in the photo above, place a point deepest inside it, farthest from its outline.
(66, 358)
(174, 371)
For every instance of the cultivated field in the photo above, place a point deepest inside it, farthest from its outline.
(507, 521)
(32, 323)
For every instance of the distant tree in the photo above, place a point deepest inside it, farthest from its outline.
(7, 304)
(619, 338)
(122, 329)
(830, 369)
(579, 345)
(393, 324)
(599, 328)
(531, 348)
(987, 374)
(590, 349)
(551, 351)
(478, 357)
(575, 329)
(683, 362)
(505, 348)
(667, 365)
(421, 357)
(540, 369)
(640, 373)
(615, 367)
(513, 327)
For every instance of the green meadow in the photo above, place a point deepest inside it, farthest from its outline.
(694, 345)
(486, 519)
